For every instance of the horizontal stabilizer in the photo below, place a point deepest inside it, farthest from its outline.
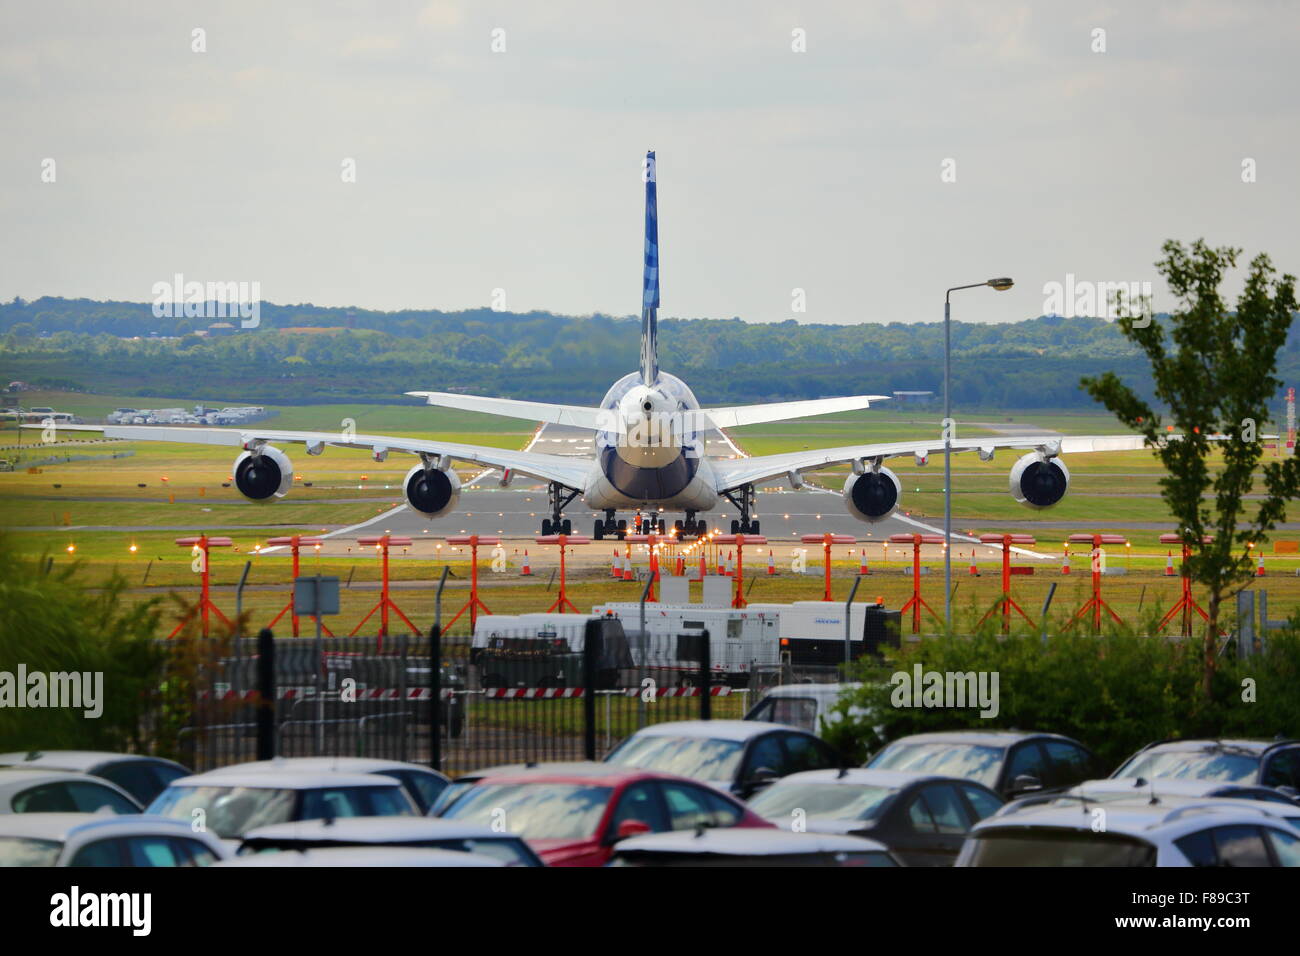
(576, 415)
(783, 411)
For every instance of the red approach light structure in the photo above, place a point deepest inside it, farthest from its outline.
(1095, 604)
(651, 541)
(201, 544)
(382, 543)
(472, 604)
(740, 540)
(562, 604)
(826, 540)
(293, 543)
(1006, 601)
(1186, 604)
(916, 602)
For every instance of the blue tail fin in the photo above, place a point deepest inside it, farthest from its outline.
(650, 285)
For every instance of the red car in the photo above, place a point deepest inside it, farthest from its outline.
(575, 815)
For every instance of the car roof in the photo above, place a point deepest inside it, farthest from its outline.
(1157, 785)
(12, 778)
(64, 826)
(363, 856)
(1239, 744)
(331, 764)
(981, 738)
(862, 776)
(82, 760)
(746, 841)
(285, 780)
(602, 773)
(377, 830)
(735, 730)
(802, 690)
(1137, 817)
(554, 766)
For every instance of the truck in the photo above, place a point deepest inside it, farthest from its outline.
(812, 632)
(544, 650)
(740, 639)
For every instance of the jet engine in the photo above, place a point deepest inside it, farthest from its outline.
(432, 492)
(263, 473)
(1038, 482)
(872, 496)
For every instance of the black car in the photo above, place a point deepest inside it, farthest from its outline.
(1011, 762)
(1265, 763)
(921, 818)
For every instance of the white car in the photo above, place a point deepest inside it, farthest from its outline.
(423, 784)
(231, 804)
(354, 856)
(736, 846)
(806, 706)
(60, 791)
(141, 776)
(79, 839)
(420, 832)
(1075, 831)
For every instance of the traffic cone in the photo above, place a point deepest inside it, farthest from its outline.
(681, 566)
(1259, 567)
(1169, 564)
(628, 573)
(525, 571)
(1065, 562)
(615, 567)
(862, 563)
(771, 562)
(731, 565)
(974, 571)
(703, 572)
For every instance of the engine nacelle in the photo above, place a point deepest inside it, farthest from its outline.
(430, 491)
(1038, 482)
(264, 474)
(872, 496)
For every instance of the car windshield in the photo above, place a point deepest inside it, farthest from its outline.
(226, 811)
(968, 761)
(1057, 848)
(700, 758)
(535, 811)
(821, 801)
(26, 851)
(1193, 765)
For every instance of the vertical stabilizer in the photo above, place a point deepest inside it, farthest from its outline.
(650, 285)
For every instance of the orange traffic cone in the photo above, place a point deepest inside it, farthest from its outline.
(681, 566)
(862, 563)
(616, 566)
(1169, 564)
(731, 565)
(1065, 562)
(974, 571)
(771, 562)
(1259, 567)
(703, 572)
(525, 571)
(628, 573)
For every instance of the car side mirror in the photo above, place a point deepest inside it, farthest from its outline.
(629, 828)
(761, 777)
(1025, 783)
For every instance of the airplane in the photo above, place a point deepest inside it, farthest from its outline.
(650, 433)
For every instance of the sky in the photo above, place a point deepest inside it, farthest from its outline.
(855, 158)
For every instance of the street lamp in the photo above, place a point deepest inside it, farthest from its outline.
(1001, 284)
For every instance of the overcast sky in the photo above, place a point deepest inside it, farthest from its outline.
(520, 170)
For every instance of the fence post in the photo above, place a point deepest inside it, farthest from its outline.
(435, 690)
(706, 679)
(265, 695)
(590, 656)
(403, 696)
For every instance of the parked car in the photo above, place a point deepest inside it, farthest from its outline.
(364, 856)
(921, 818)
(422, 784)
(1012, 762)
(806, 706)
(231, 804)
(419, 832)
(750, 847)
(1269, 763)
(575, 817)
(741, 756)
(142, 777)
(79, 839)
(1137, 832)
(1168, 789)
(60, 791)
(467, 780)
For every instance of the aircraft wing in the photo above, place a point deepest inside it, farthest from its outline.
(733, 473)
(571, 472)
(577, 415)
(731, 416)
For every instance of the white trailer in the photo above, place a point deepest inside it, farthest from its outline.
(812, 632)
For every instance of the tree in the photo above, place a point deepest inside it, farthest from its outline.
(1215, 372)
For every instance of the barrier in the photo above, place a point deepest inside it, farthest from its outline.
(826, 540)
(473, 603)
(205, 605)
(1096, 604)
(740, 540)
(293, 543)
(916, 602)
(1006, 601)
(382, 543)
(565, 541)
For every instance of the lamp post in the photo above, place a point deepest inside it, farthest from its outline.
(1001, 284)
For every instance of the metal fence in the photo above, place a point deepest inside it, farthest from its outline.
(522, 693)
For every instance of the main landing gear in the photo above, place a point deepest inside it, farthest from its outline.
(557, 523)
(609, 527)
(745, 505)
